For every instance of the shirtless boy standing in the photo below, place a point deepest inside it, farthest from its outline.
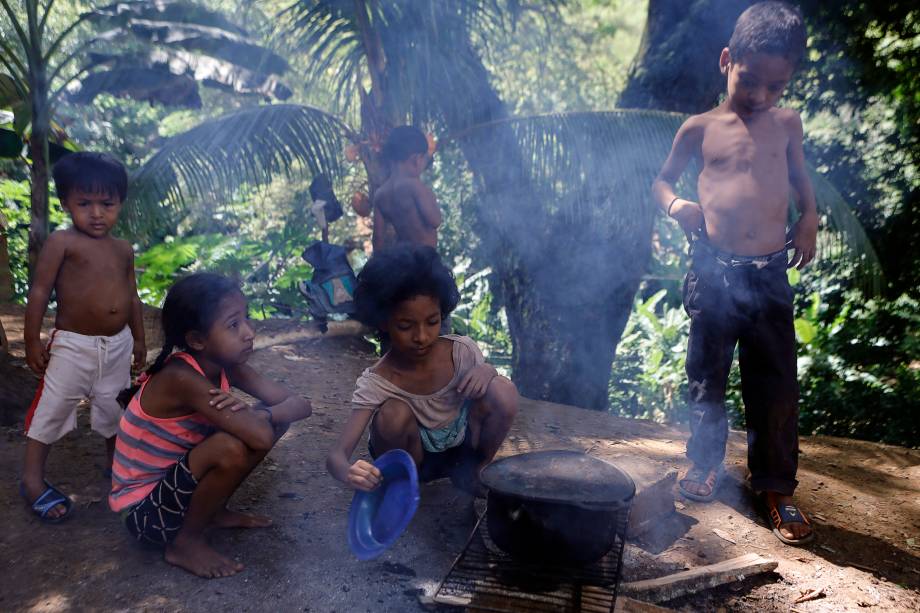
(403, 201)
(736, 291)
(98, 325)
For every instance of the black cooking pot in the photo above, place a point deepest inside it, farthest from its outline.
(557, 506)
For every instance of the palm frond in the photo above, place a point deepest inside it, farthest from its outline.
(595, 166)
(218, 157)
(327, 31)
(843, 232)
(420, 41)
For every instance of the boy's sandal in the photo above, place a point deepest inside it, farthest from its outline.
(46, 501)
(710, 478)
(779, 515)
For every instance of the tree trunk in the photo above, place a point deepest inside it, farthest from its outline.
(38, 150)
(6, 272)
(566, 305)
(567, 308)
(377, 115)
(17, 388)
(677, 65)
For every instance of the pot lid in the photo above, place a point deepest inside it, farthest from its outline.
(570, 477)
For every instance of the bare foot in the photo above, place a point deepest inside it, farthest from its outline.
(794, 531)
(196, 556)
(34, 489)
(225, 518)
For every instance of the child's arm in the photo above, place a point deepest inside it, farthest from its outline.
(46, 270)
(686, 144)
(283, 405)
(136, 319)
(361, 475)
(427, 205)
(805, 233)
(251, 426)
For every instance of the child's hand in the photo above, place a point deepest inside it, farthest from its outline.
(139, 356)
(689, 215)
(364, 476)
(37, 357)
(804, 240)
(476, 381)
(221, 400)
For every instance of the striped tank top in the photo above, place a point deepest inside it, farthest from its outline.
(146, 446)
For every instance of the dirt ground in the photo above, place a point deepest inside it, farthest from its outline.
(864, 499)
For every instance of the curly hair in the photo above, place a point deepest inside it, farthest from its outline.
(400, 273)
(769, 27)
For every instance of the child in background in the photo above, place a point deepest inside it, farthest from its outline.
(185, 443)
(737, 291)
(98, 326)
(403, 201)
(433, 396)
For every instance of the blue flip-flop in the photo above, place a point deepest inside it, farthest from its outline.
(46, 501)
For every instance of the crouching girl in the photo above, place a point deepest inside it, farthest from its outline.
(185, 443)
(433, 396)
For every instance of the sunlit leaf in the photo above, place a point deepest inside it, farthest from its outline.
(805, 331)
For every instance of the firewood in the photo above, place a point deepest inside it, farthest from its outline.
(698, 579)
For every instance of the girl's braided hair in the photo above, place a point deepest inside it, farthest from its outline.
(191, 305)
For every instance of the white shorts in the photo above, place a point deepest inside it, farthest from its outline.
(93, 367)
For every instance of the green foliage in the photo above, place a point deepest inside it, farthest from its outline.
(219, 157)
(860, 95)
(268, 269)
(256, 238)
(478, 317)
(15, 216)
(858, 368)
(648, 379)
(575, 62)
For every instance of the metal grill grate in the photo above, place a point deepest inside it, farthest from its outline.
(484, 578)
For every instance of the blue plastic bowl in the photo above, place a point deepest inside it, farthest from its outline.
(376, 519)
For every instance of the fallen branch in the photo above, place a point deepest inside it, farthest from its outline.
(698, 579)
(810, 595)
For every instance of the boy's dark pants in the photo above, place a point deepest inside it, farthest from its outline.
(735, 300)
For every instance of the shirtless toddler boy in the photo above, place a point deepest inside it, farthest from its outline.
(403, 201)
(736, 291)
(98, 325)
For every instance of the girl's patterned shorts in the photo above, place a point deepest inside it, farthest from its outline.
(158, 518)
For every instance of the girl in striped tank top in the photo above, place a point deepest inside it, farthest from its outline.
(185, 443)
